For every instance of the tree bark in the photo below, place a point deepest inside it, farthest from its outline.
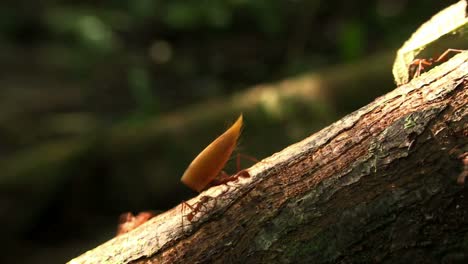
(379, 185)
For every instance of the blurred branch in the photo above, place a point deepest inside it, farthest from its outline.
(157, 150)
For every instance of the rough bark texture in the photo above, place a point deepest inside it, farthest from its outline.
(380, 185)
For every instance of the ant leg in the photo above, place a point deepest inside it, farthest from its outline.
(420, 63)
(248, 157)
(191, 207)
(182, 206)
(193, 211)
(443, 55)
(421, 66)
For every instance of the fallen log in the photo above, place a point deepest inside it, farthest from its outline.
(382, 184)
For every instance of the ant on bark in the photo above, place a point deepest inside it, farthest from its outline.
(128, 221)
(201, 204)
(196, 207)
(418, 65)
(205, 171)
(207, 166)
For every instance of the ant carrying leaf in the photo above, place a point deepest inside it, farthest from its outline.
(418, 65)
(206, 169)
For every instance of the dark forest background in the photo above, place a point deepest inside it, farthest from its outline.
(103, 104)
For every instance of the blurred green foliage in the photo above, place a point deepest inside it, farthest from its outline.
(221, 45)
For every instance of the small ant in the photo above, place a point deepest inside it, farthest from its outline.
(201, 204)
(421, 63)
(128, 221)
(196, 207)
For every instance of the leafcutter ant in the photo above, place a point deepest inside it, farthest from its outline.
(418, 65)
(196, 207)
(128, 221)
(201, 205)
(206, 169)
